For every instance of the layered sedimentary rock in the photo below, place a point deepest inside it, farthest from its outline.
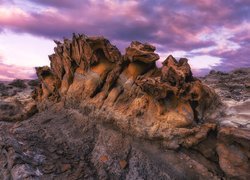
(129, 92)
(91, 72)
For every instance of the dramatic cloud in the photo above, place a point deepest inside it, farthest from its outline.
(118, 20)
(10, 72)
(201, 28)
(24, 49)
(60, 3)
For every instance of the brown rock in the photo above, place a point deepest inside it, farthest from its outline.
(104, 117)
(176, 73)
(103, 158)
(141, 52)
(16, 103)
(65, 167)
(49, 83)
(234, 151)
(89, 75)
(18, 83)
(123, 164)
(90, 67)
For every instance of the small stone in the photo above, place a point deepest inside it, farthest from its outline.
(65, 167)
(49, 168)
(104, 158)
(123, 164)
(141, 52)
(51, 149)
(59, 151)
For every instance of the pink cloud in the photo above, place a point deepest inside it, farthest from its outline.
(10, 72)
(170, 25)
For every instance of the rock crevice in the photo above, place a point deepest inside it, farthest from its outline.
(130, 92)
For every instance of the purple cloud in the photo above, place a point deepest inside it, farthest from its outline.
(60, 3)
(184, 25)
(234, 58)
(170, 29)
(10, 72)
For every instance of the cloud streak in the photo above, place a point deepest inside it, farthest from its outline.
(9, 72)
(205, 27)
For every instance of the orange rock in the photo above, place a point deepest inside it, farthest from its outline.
(142, 98)
(103, 158)
(141, 52)
(123, 164)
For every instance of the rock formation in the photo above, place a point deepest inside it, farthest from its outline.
(16, 104)
(104, 115)
(92, 72)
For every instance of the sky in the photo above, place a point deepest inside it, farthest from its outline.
(212, 34)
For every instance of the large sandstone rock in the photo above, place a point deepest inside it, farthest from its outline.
(141, 52)
(121, 117)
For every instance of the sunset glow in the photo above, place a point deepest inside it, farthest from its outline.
(211, 34)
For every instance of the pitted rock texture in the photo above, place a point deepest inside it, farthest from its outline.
(16, 104)
(234, 90)
(129, 92)
(89, 72)
(67, 144)
(104, 115)
(234, 85)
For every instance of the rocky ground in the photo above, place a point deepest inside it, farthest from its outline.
(69, 145)
(16, 103)
(100, 115)
(234, 90)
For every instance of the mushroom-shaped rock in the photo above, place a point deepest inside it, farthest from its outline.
(141, 52)
(102, 45)
(176, 73)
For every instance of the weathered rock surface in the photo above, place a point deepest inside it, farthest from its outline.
(233, 134)
(234, 90)
(16, 104)
(131, 88)
(103, 115)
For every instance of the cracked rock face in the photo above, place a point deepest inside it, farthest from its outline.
(16, 104)
(104, 115)
(91, 72)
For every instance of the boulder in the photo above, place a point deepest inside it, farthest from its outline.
(138, 51)
(131, 94)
